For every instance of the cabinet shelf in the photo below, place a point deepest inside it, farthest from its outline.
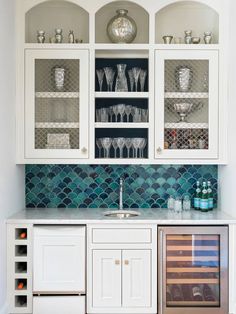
(211, 281)
(186, 125)
(57, 125)
(192, 270)
(192, 95)
(117, 125)
(121, 94)
(57, 95)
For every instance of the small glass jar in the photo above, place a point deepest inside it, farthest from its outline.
(186, 203)
(171, 203)
(178, 205)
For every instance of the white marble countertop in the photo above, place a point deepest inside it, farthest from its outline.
(94, 215)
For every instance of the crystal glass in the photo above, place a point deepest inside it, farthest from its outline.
(121, 144)
(100, 76)
(142, 146)
(128, 145)
(144, 115)
(121, 110)
(136, 144)
(137, 115)
(131, 80)
(115, 146)
(178, 204)
(99, 145)
(98, 115)
(136, 72)
(109, 73)
(116, 112)
(121, 80)
(128, 109)
(171, 203)
(110, 113)
(106, 145)
(104, 114)
(142, 79)
(186, 203)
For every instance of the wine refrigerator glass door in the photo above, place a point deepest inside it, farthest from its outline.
(193, 270)
(56, 97)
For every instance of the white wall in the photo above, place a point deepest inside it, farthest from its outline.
(227, 174)
(11, 176)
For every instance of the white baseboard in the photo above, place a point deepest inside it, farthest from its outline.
(3, 310)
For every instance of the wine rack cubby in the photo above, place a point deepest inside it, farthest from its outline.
(19, 280)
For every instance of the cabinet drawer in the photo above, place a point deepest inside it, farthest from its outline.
(59, 305)
(122, 235)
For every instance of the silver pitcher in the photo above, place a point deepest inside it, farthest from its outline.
(183, 77)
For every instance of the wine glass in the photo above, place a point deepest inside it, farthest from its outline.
(142, 146)
(116, 112)
(128, 144)
(136, 72)
(99, 145)
(144, 115)
(128, 109)
(137, 114)
(121, 110)
(136, 144)
(98, 115)
(104, 115)
(115, 146)
(131, 80)
(106, 145)
(109, 73)
(100, 76)
(142, 79)
(121, 144)
(111, 113)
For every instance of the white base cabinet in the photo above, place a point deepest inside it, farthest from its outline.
(122, 269)
(59, 305)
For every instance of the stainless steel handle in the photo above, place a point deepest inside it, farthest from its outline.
(159, 150)
(117, 262)
(160, 300)
(126, 262)
(84, 150)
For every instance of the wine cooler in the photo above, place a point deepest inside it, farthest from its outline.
(193, 270)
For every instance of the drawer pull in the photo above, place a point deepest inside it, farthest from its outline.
(117, 262)
(126, 262)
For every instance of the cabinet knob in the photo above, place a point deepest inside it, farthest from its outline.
(159, 150)
(126, 262)
(84, 150)
(117, 262)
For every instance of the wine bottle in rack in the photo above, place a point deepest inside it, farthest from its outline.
(208, 293)
(197, 293)
(187, 292)
(168, 293)
(176, 293)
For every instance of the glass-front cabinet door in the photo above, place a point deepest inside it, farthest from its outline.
(186, 106)
(193, 272)
(56, 98)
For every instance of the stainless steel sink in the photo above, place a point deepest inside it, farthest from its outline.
(120, 213)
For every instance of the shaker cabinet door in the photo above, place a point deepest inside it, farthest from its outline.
(187, 104)
(56, 103)
(106, 278)
(136, 278)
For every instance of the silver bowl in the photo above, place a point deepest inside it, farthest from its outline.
(196, 40)
(183, 109)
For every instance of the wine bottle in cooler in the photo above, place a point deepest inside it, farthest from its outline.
(197, 293)
(176, 293)
(208, 293)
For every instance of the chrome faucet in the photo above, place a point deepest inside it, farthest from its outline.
(121, 194)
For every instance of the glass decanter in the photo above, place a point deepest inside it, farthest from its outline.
(121, 80)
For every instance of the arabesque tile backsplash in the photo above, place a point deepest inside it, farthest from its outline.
(94, 186)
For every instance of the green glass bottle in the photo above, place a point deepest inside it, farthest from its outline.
(197, 197)
(210, 196)
(204, 198)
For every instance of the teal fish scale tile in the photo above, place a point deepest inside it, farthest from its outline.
(97, 186)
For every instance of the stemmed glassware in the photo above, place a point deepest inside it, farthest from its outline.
(142, 79)
(136, 72)
(142, 146)
(128, 144)
(121, 144)
(128, 110)
(121, 110)
(116, 112)
(115, 146)
(106, 145)
(99, 145)
(100, 75)
(131, 79)
(109, 73)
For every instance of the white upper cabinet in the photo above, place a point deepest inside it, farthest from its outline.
(95, 101)
(187, 104)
